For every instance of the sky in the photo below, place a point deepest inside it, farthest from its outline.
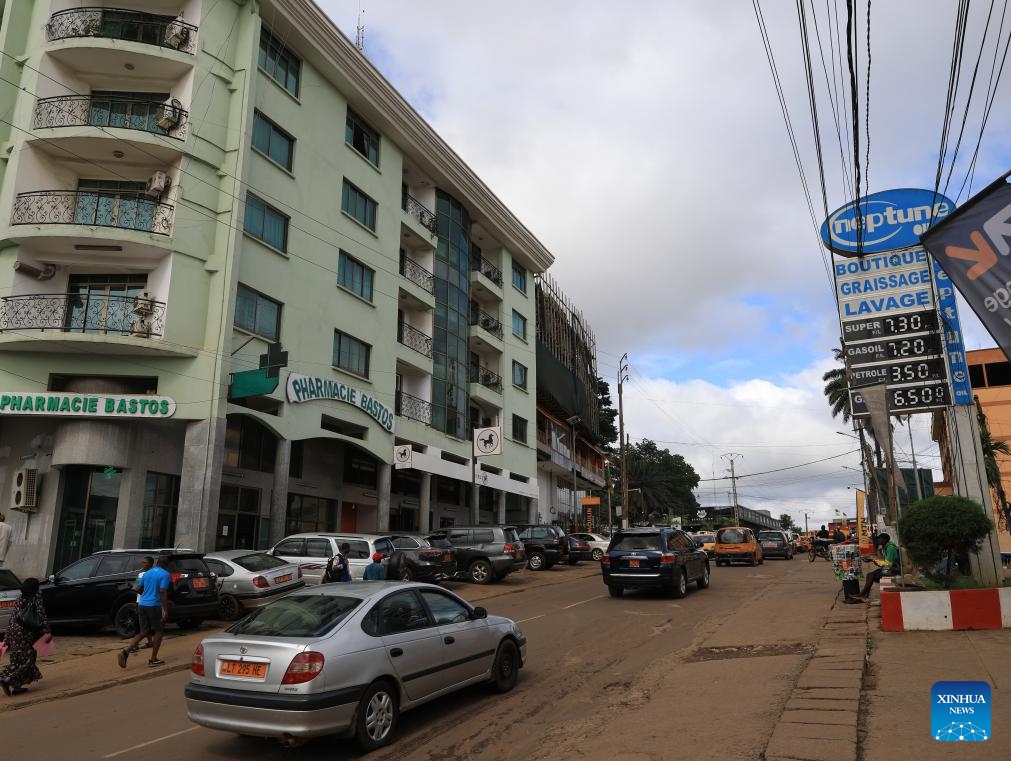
(644, 145)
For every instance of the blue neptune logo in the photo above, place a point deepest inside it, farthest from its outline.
(890, 220)
(960, 711)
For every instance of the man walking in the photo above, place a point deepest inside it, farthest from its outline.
(5, 538)
(339, 568)
(152, 612)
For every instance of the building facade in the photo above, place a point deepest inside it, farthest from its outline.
(238, 272)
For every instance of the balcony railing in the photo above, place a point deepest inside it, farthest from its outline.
(128, 211)
(489, 322)
(486, 268)
(124, 113)
(96, 313)
(414, 207)
(414, 408)
(123, 24)
(487, 378)
(416, 273)
(413, 338)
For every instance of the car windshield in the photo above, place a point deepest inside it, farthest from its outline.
(8, 580)
(187, 565)
(636, 542)
(770, 535)
(301, 616)
(439, 541)
(730, 536)
(258, 561)
(705, 538)
(511, 535)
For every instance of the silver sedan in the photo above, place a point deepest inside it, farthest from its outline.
(347, 659)
(248, 579)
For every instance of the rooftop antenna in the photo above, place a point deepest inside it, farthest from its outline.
(360, 31)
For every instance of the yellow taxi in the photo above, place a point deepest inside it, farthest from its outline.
(706, 541)
(737, 544)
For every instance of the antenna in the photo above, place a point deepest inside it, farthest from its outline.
(360, 31)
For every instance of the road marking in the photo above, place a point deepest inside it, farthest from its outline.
(151, 742)
(582, 602)
(534, 618)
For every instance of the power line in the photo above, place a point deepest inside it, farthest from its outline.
(788, 467)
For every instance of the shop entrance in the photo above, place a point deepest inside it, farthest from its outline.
(87, 521)
(238, 519)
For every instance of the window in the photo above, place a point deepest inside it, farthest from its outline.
(319, 548)
(257, 314)
(307, 514)
(401, 612)
(296, 462)
(351, 354)
(519, 429)
(273, 142)
(354, 276)
(445, 610)
(251, 446)
(104, 304)
(292, 548)
(266, 223)
(362, 137)
(79, 570)
(279, 63)
(358, 205)
(519, 374)
(520, 277)
(519, 325)
(161, 504)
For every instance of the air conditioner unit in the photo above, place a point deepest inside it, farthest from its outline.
(158, 184)
(488, 377)
(143, 304)
(488, 322)
(177, 34)
(25, 495)
(170, 114)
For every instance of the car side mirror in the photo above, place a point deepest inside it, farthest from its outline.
(52, 578)
(478, 613)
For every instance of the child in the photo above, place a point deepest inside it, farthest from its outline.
(375, 571)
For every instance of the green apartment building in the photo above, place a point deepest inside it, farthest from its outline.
(196, 196)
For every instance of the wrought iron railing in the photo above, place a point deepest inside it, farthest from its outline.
(129, 211)
(414, 408)
(487, 378)
(486, 321)
(413, 338)
(424, 215)
(123, 24)
(416, 273)
(125, 113)
(84, 313)
(486, 268)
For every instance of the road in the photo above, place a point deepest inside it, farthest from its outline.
(605, 678)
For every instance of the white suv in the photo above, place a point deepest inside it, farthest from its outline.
(312, 552)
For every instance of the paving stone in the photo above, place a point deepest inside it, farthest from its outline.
(786, 744)
(827, 693)
(837, 662)
(837, 651)
(802, 730)
(841, 718)
(830, 679)
(820, 704)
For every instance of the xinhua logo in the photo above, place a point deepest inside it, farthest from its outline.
(960, 711)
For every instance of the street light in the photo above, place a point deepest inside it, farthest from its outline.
(572, 421)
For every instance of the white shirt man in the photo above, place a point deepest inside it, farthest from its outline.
(5, 538)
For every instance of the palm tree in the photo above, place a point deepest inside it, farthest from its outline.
(991, 448)
(837, 389)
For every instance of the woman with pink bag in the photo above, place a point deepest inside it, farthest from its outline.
(28, 624)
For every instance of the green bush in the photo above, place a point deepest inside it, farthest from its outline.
(942, 528)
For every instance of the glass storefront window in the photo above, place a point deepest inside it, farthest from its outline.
(307, 514)
(161, 506)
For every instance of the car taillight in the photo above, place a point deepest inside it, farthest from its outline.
(605, 559)
(260, 582)
(176, 576)
(304, 668)
(667, 558)
(508, 548)
(197, 663)
(300, 572)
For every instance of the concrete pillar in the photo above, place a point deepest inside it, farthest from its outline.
(501, 517)
(425, 503)
(475, 504)
(130, 514)
(279, 493)
(203, 455)
(383, 485)
(532, 510)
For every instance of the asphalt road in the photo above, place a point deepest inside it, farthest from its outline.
(605, 678)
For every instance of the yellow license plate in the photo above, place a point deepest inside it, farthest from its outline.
(283, 579)
(5, 604)
(633, 563)
(200, 583)
(244, 669)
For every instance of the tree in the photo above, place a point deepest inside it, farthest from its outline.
(663, 483)
(942, 528)
(837, 389)
(786, 521)
(606, 416)
(991, 448)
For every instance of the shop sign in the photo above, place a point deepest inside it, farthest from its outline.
(86, 405)
(304, 388)
(885, 221)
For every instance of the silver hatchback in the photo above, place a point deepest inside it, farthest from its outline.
(248, 579)
(347, 659)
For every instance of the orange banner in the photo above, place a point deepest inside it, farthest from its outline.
(862, 533)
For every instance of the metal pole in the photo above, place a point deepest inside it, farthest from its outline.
(912, 452)
(610, 515)
(730, 457)
(576, 516)
(622, 374)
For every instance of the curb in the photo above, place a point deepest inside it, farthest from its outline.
(951, 610)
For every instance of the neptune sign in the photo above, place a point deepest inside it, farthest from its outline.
(890, 220)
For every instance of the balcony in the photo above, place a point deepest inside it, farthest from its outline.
(487, 378)
(417, 274)
(487, 322)
(157, 118)
(422, 214)
(102, 314)
(123, 24)
(413, 408)
(413, 338)
(126, 211)
(486, 268)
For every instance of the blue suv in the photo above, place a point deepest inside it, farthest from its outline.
(658, 558)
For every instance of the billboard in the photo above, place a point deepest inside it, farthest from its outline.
(885, 221)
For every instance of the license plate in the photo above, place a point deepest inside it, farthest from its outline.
(633, 563)
(5, 604)
(282, 579)
(200, 583)
(244, 669)
(768, 544)
(447, 556)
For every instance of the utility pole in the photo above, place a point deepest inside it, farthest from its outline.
(622, 377)
(805, 522)
(912, 453)
(730, 457)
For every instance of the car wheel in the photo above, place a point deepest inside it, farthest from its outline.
(681, 584)
(703, 580)
(407, 574)
(480, 572)
(377, 716)
(597, 554)
(126, 620)
(189, 623)
(753, 561)
(231, 608)
(535, 561)
(506, 669)
(615, 591)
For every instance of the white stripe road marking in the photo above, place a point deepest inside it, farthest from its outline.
(534, 618)
(583, 602)
(151, 742)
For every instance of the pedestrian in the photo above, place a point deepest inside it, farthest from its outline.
(5, 538)
(339, 568)
(890, 552)
(144, 567)
(28, 624)
(838, 536)
(152, 612)
(375, 571)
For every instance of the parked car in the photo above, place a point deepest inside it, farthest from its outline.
(659, 558)
(485, 553)
(249, 580)
(311, 552)
(577, 550)
(10, 591)
(598, 543)
(348, 659)
(776, 544)
(99, 590)
(418, 557)
(545, 545)
(736, 544)
(707, 542)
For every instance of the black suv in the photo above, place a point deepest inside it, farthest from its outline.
(99, 590)
(546, 545)
(420, 557)
(484, 553)
(664, 558)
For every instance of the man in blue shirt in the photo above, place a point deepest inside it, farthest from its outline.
(152, 611)
(375, 571)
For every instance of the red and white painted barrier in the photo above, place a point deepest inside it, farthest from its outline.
(945, 611)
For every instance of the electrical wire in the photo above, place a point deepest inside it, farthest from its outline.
(788, 467)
